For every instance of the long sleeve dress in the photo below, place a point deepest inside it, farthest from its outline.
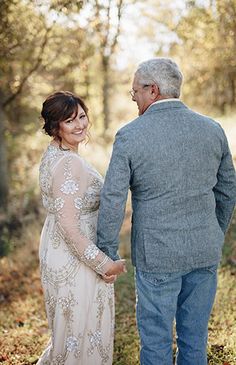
(79, 304)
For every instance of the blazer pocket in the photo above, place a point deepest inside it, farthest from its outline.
(156, 246)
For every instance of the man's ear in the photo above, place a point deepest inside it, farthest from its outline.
(155, 92)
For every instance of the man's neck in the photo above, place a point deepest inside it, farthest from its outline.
(162, 97)
(162, 100)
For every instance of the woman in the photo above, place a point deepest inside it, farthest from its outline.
(79, 303)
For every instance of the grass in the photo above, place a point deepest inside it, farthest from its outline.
(23, 323)
(222, 327)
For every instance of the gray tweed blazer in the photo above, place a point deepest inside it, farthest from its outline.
(179, 169)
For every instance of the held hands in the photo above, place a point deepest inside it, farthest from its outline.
(117, 267)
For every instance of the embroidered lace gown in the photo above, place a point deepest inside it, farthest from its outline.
(79, 304)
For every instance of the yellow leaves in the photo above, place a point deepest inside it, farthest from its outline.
(22, 318)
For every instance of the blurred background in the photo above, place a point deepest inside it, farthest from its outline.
(92, 48)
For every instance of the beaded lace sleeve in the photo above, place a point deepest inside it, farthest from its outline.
(71, 182)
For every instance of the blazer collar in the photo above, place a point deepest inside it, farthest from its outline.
(167, 104)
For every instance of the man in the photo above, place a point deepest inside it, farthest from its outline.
(179, 169)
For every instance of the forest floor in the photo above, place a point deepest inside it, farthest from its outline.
(23, 324)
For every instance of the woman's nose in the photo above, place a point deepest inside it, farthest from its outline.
(80, 123)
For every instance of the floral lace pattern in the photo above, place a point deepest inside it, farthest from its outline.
(95, 338)
(91, 252)
(69, 187)
(70, 192)
(72, 345)
(59, 276)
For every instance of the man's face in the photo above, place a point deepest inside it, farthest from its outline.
(141, 95)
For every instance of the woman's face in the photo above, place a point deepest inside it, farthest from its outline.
(73, 130)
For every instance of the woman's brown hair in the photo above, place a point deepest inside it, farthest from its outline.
(58, 107)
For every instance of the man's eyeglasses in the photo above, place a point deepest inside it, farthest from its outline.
(133, 92)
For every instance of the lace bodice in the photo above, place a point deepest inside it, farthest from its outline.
(70, 191)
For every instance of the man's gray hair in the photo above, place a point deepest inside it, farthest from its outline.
(164, 73)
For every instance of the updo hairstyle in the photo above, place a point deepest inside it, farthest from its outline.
(57, 107)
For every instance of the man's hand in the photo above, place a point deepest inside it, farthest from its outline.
(117, 267)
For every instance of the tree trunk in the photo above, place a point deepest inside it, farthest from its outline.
(105, 94)
(232, 87)
(4, 186)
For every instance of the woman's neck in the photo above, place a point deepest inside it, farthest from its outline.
(64, 146)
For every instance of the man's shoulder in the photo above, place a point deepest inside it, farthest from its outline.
(207, 120)
(130, 127)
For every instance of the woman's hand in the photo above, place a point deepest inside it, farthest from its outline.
(109, 279)
(115, 268)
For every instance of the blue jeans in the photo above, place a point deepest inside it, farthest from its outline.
(187, 297)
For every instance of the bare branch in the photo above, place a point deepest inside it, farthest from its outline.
(31, 71)
(105, 41)
(115, 39)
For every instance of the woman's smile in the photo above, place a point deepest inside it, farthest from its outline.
(73, 130)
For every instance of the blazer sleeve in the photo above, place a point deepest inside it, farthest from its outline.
(225, 188)
(113, 197)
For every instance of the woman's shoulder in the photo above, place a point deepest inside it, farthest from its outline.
(81, 165)
(70, 163)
